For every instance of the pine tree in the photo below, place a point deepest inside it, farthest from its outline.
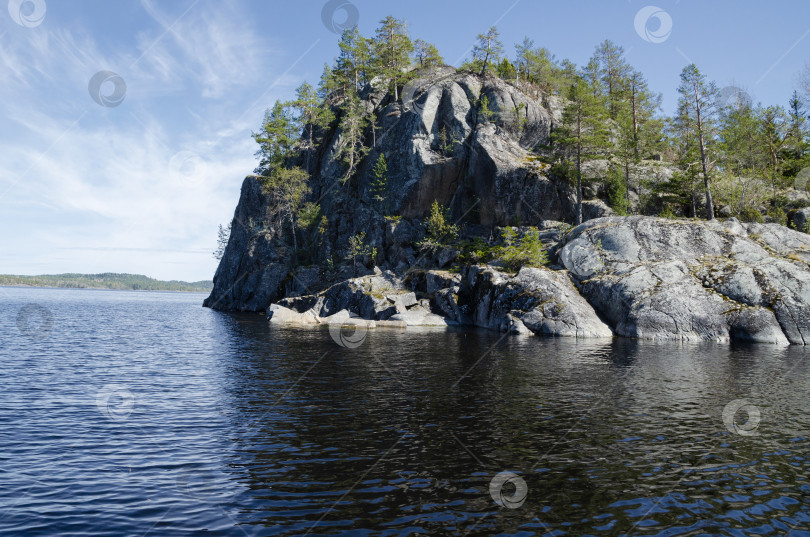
(525, 58)
(773, 136)
(330, 83)
(287, 189)
(797, 147)
(641, 104)
(741, 144)
(488, 49)
(426, 55)
(392, 49)
(353, 125)
(697, 112)
(277, 139)
(582, 135)
(613, 70)
(506, 70)
(313, 115)
(223, 236)
(348, 62)
(592, 76)
(379, 184)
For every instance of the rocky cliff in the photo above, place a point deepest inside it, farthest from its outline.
(638, 277)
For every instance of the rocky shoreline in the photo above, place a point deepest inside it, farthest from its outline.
(638, 277)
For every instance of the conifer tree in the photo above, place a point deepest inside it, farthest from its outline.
(313, 115)
(582, 135)
(379, 183)
(488, 49)
(287, 189)
(353, 125)
(697, 113)
(613, 70)
(426, 54)
(277, 139)
(392, 49)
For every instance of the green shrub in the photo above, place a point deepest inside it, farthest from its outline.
(309, 215)
(616, 191)
(528, 251)
(751, 215)
(439, 232)
(778, 215)
(475, 251)
(666, 212)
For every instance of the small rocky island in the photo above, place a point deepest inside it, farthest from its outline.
(452, 197)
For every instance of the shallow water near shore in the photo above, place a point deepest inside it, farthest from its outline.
(133, 413)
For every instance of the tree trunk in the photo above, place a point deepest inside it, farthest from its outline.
(709, 206)
(627, 185)
(295, 241)
(579, 185)
(310, 148)
(635, 122)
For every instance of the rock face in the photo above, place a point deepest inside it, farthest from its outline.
(661, 279)
(256, 260)
(438, 148)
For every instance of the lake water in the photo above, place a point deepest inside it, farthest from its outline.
(127, 413)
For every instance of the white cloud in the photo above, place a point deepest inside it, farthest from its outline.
(90, 189)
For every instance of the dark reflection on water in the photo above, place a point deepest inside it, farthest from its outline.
(136, 413)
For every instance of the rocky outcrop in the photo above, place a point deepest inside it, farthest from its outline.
(638, 277)
(256, 260)
(439, 146)
(663, 279)
(377, 296)
(534, 301)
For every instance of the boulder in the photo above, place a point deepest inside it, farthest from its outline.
(537, 300)
(799, 218)
(655, 278)
(374, 297)
(595, 209)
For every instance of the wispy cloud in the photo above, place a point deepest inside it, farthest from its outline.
(144, 184)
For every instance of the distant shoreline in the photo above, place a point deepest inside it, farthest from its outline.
(26, 286)
(105, 281)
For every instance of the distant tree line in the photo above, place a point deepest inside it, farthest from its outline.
(107, 280)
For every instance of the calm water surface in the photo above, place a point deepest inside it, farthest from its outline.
(125, 413)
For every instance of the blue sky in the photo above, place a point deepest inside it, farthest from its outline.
(141, 186)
